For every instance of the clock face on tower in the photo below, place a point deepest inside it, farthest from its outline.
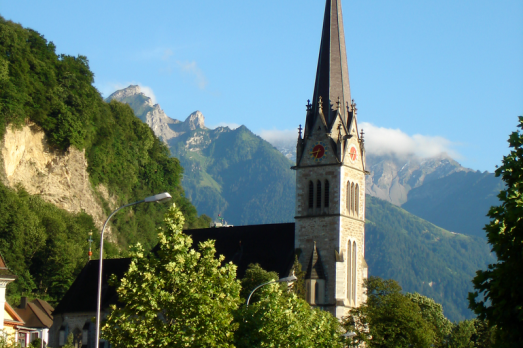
(318, 151)
(353, 153)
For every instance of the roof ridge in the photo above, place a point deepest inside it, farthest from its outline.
(39, 314)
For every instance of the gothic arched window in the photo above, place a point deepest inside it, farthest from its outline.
(311, 194)
(354, 260)
(316, 292)
(318, 194)
(357, 194)
(352, 198)
(349, 271)
(348, 196)
(326, 205)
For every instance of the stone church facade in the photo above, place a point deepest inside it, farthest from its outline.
(330, 181)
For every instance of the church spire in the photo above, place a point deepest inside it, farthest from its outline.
(332, 74)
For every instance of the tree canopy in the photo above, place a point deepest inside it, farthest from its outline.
(176, 296)
(498, 295)
(183, 296)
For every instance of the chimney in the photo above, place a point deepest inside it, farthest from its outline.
(23, 302)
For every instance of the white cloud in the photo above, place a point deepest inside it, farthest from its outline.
(381, 141)
(191, 68)
(225, 124)
(279, 137)
(148, 91)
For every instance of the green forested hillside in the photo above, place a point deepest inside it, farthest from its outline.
(458, 202)
(422, 257)
(238, 174)
(56, 92)
(43, 245)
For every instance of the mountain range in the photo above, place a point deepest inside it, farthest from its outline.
(438, 189)
(237, 174)
(231, 173)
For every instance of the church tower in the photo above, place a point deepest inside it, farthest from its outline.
(330, 181)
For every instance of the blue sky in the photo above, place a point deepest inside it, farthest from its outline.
(429, 76)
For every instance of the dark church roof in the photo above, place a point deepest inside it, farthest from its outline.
(271, 246)
(332, 74)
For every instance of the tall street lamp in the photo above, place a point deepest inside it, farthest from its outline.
(159, 198)
(290, 279)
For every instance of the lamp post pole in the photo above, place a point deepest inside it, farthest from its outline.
(290, 279)
(159, 198)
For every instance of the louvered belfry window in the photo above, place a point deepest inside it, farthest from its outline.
(311, 194)
(357, 194)
(348, 196)
(327, 187)
(318, 194)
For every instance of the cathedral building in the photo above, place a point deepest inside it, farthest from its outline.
(328, 234)
(330, 180)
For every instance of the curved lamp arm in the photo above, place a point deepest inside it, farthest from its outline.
(159, 198)
(292, 278)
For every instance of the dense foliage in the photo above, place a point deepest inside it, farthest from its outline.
(43, 245)
(422, 257)
(178, 296)
(280, 319)
(56, 92)
(175, 297)
(498, 295)
(390, 318)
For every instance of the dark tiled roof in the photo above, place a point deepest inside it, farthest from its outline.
(81, 296)
(34, 316)
(271, 246)
(44, 306)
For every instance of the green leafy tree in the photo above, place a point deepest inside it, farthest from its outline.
(255, 275)
(298, 286)
(484, 336)
(462, 334)
(388, 319)
(36, 343)
(432, 313)
(281, 319)
(498, 295)
(69, 343)
(7, 341)
(176, 297)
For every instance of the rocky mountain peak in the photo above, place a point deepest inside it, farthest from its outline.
(131, 91)
(195, 120)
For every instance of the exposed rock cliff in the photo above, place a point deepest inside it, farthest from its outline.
(59, 177)
(162, 125)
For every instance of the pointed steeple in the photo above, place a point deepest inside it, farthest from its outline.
(332, 74)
